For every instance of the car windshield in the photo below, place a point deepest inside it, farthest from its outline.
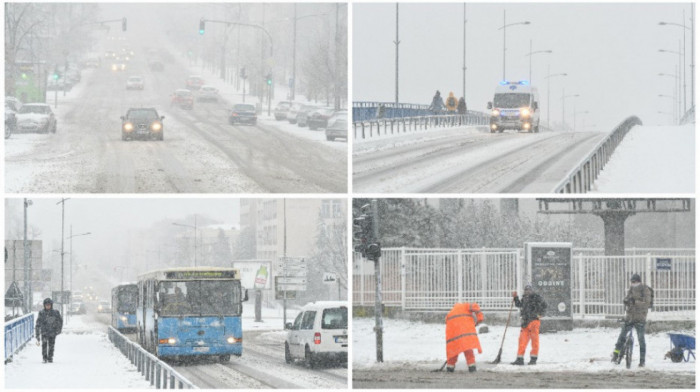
(511, 100)
(335, 318)
(338, 121)
(283, 105)
(200, 298)
(325, 111)
(142, 114)
(244, 108)
(35, 109)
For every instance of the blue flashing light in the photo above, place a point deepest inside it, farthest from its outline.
(503, 82)
(524, 82)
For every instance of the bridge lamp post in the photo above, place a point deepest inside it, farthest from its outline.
(504, 27)
(692, 60)
(680, 65)
(195, 236)
(529, 78)
(548, 90)
(673, 104)
(676, 89)
(563, 106)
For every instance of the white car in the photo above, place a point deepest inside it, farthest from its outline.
(134, 82)
(319, 334)
(208, 93)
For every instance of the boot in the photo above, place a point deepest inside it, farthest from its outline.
(450, 369)
(616, 355)
(50, 360)
(472, 368)
(641, 362)
(518, 361)
(533, 360)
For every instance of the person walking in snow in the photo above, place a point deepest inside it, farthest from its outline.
(451, 103)
(639, 299)
(48, 325)
(437, 105)
(462, 106)
(531, 307)
(460, 334)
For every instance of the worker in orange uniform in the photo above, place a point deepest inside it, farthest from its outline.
(532, 308)
(460, 334)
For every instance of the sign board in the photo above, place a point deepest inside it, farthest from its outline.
(290, 294)
(59, 297)
(197, 274)
(329, 278)
(249, 272)
(290, 284)
(549, 267)
(663, 264)
(290, 262)
(261, 277)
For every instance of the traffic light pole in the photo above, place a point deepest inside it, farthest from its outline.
(378, 323)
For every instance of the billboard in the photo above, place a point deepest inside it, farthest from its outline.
(549, 268)
(250, 270)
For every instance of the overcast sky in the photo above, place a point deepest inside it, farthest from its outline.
(609, 51)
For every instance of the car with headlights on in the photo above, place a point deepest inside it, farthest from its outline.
(183, 98)
(104, 307)
(243, 113)
(337, 126)
(135, 83)
(118, 66)
(142, 123)
(36, 117)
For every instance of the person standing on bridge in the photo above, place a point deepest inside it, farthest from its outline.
(460, 334)
(437, 105)
(639, 299)
(451, 103)
(531, 307)
(462, 106)
(48, 325)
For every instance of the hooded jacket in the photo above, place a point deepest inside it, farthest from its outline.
(460, 328)
(531, 307)
(451, 102)
(49, 323)
(638, 300)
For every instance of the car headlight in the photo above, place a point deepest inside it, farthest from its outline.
(129, 127)
(114, 67)
(156, 126)
(495, 112)
(525, 112)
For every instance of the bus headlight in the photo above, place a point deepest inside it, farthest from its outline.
(525, 112)
(494, 126)
(526, 126)
(495, 112)
(171, 340)
(231, 340)
(123, 318)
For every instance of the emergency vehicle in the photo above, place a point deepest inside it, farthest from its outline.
(515, 106)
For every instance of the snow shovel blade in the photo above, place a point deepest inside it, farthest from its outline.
(498, 358)
(441, 367)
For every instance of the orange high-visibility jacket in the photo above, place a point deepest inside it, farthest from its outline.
(460, 330)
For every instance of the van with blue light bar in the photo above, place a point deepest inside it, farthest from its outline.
(191, 312)
(515, 106)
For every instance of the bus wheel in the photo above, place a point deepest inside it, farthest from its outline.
(224, 358)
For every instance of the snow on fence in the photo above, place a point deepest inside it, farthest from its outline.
(581, 178)
(155, 370)
(17, 333)
(373, 128)
(434, 279)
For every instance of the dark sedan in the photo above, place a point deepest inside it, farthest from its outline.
(337, 126)
(319, 118)
(243, 113)
(142, 123)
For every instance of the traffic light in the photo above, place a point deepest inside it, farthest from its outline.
(269, 79)
(363, 233)
(374, 251)
(24, 75)
(201, 27)
(123, 24)
(242, 73)
(56, 75)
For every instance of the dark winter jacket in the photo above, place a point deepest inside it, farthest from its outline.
(49, 323)
(638, 300)
(462, 106)
(437, 105)
(531, 307)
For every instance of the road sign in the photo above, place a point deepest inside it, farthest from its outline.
(290, 294)
(663, 264)
(290, 284)
(291, 280)
(290, 262)
(329, 278)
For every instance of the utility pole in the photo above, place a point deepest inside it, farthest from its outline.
(397, 42)
(27, 263)
(284, 255)
(464, 52)
(378, 327)
(294, 62)
(63, 220)
(692, 55)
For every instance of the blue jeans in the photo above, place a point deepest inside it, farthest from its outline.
(639, 326)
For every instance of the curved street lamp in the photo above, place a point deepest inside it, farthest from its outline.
(692, 59)
(529, 78)
(548, 90)
(504, 38)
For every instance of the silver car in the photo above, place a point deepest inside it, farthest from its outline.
(337, 126)
(36, 117)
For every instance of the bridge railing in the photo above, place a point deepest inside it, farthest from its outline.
(688, 117)
(154, 370)
(581, 178)
(365, 111)
(17, 333)
(378, 127)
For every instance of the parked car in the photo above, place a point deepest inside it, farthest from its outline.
(281, 110)
(319, 333)
(14, 103)
(194, 82)
(243, 113)
(142, 123)
(182, 98)
(293, 111)
(135, 83)
(10, 121)
(36, 117)
(303, 114)
(104, 307)
(319, 118)
(337, 126)
(78, 308)
(208, 93)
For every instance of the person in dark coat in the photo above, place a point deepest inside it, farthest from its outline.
(462, 106)
(48, 325)
(639, 299)
(532, 307)
(437, 105)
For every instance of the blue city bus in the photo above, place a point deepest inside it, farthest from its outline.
(191, 312)
(124, 301)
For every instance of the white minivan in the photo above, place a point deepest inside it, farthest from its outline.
(319, 334)
(515, 106)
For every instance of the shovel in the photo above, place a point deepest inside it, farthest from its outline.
(441, 367)
(500, 350)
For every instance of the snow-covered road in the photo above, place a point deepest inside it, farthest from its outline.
(468, 160)
(201, 151)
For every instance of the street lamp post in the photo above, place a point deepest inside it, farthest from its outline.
(504, 38)
(294, 50)
(673, 104)
(676, 90)
(692, 65)
(63, 219)
(563, 105)
(548, 90)
(195, 236)
(464, 53)
(397, 42)
(70, 278)
(27, 263)
(680, 65)
(530, 55)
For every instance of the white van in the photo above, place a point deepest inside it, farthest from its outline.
(319, 334)
(515, 106)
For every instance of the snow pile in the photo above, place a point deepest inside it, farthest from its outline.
(84, 358)
(652, 159)
(581, 350)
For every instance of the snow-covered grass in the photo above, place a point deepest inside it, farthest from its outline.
(652, 159)
(582, 350)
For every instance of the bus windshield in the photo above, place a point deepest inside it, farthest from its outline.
(128, 299)
(511, 100)
(200, 298)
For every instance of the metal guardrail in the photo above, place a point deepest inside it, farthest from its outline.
(17, 333)
(364, 111)
(583, 175)
(154, 370)
(372, 128)
(688, 117)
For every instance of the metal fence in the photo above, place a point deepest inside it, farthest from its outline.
(688, 117)
(364, 111)
(581, 178)
(434, 279)
(373, 128)
(17, 333)
(154, 370)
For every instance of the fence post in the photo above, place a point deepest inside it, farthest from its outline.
(582, 286)
(159, 373)
(460, 276)
(403, 278)
(484, 275)
(649, 269)
(362, 281)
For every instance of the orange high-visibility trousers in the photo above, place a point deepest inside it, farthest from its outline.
(468, 354)
(531, 332)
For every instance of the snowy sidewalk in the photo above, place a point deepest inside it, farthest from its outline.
(84, 358)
